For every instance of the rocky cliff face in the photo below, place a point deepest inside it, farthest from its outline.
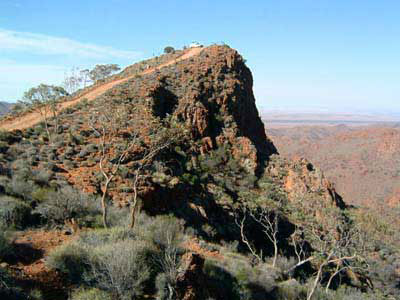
(212, 93)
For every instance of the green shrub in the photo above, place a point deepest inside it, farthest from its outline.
(65, 204)
(83, 153)
(124, 262)
(5, 245)
(75, 138)
(42, 176)
(163, 292)
(230, 247)
(238, 279)
(49, 166)
(101, 237)
(13, 212)
(91, 148)
(166, 233)
(59, 144)
(3, 147)
(122, 268)
(69, 151)
(36, 294)
(118, 216)
(70, 259)
(253, 281)
(90, 294)
(283, 263)
(291, 290)
(348, 293)
(125, 189)
(21, 167)
(8, 288)
(68, 164)
(123, 171)
(210, 231)
(220, 281)
(21, 186)
(77, 258)
(9, 137)
(41, 194)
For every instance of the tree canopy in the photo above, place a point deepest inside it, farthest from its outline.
(43, 94)
(102, 71)
(169, 49)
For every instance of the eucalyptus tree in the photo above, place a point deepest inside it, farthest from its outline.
(45, 99)
(100, 72)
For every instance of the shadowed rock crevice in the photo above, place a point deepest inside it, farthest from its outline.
(164, 103)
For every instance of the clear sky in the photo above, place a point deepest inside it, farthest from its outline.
(337, 55)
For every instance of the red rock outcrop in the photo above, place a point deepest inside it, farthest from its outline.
(192, 280)
(212, 93)
(301, 178)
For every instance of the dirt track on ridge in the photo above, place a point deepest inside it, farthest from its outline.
(32, 118)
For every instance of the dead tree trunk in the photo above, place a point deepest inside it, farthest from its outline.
(104, 202)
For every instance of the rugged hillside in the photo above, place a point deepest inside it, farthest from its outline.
(363, 162)
(175, 164)
(32, 117)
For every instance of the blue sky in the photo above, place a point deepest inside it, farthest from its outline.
(304, 54)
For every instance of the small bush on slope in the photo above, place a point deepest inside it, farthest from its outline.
(14, 212)
(167, 235)
(21, 185)
(8, 289)
(5, 246)
(90, 294)
(70, 259)
(65, 204)
(121, 261)
(122, 268)
(237, 278)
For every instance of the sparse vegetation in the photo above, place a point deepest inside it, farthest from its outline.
(90, 294)
(8, 288)
(14, 212)
(123, 262)
(65, 205)
(5, 245)
(70, 259)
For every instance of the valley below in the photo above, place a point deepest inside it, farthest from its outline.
(359, 154)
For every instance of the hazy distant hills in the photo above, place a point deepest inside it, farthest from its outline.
(292, 118)
(362, 161)
(5, 107)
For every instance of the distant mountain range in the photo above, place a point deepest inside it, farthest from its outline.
(284, 119)
(5, 107)
(362, 161)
